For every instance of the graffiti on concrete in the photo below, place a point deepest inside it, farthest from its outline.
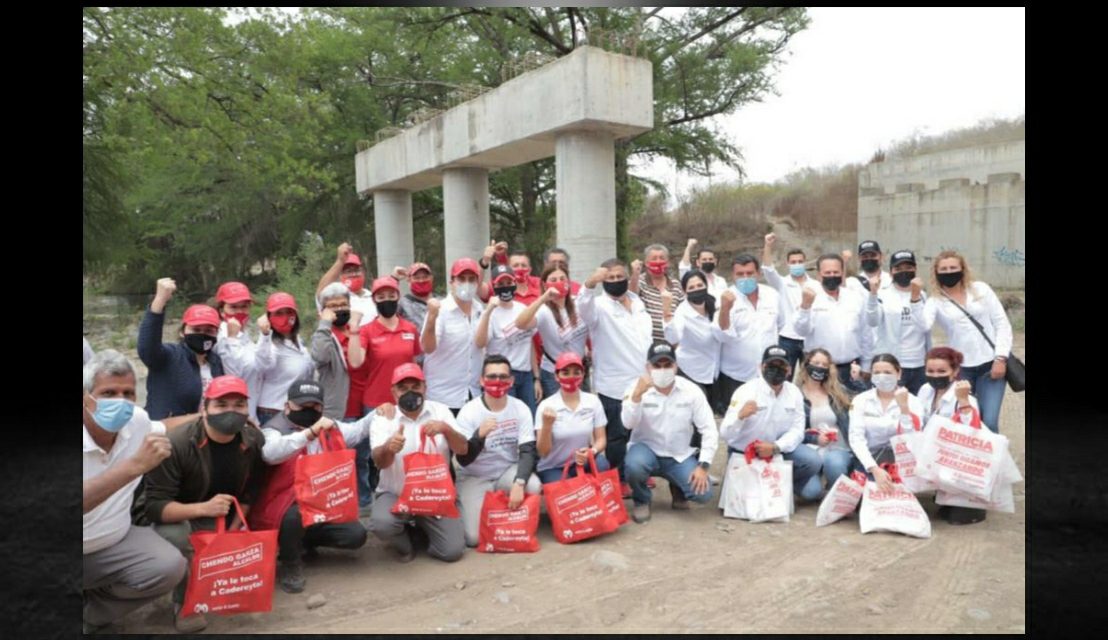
(1009, 257)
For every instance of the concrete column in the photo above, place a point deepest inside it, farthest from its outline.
(465, 197)
(392, 220)
(585, 171)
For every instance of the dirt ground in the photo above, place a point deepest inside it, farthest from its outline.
(681, 572)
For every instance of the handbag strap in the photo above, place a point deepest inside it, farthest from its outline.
(977, 324)
(750, 453)
(221, 521)
(331, 439)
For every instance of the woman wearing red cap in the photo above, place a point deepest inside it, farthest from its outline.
(178, 373)
(569, 423)
(234, 346)
(385, 343)
(281, 358)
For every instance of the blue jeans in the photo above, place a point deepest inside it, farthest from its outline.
(806, 467)
(989, 393)
(265, 415)
(524, 388)
(853, 387)
(616, 448)
(363, 465)
(549, 383)
(912, 379)
(794, 348)
(555, 474)
(836, 462)
(641, 463)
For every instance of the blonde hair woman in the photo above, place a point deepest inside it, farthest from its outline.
(826, 415)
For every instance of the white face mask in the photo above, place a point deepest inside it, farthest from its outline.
(663, 378)
(465, 291)
(885, 382)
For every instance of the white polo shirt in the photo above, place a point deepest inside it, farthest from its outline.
(109, 522)
(699, 342)
(508, 340)
(839, 326)
(791, 290)
(279, 364)
(453, 369)
(620, 338)
(572, 429)
(752, 330)
(392, 479)
(779, 419)
(556, 340)
(514, 426)
(983, 305)
(665, 423)
(871, 427)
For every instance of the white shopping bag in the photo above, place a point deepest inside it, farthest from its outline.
(1002, 498)
(960, 458)
(905, 447)
(897, 511)
(757, 490)
(842, 499)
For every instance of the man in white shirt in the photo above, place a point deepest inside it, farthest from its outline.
(393, 435)
(889, 312)
(790, 288)
(621, 332)
(769, 410)
(869, 257)
(661, 410)
(498, 334)
(751, 316)
(125, 566)
(834, 318)
(707, 262)
(348, 270)
(453, 359)
(501, 453)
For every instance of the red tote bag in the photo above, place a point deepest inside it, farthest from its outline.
(609, 492)
(231, 571)
(576, 508)
(505, 530)
(428, 488)
(325, 483)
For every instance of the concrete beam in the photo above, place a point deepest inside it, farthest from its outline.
(392, 222)
(585, 174)
(517, 122)
(465, 194)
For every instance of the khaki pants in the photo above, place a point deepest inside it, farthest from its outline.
(130, 573)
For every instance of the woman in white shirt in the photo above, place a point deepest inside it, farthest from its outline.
(954, 293)
(555, 316)
(693, 329)
(569, 423)
(879, 414)
(280, 358)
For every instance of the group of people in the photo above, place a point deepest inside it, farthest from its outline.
(517, 381)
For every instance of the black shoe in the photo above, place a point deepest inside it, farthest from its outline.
(420, 541)
(679, 503)
(964, 515)
(292, 577)
(944, 512)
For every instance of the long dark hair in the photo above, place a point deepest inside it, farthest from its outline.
(710, 303)
(571, 309)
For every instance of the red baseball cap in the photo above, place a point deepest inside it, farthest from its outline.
(352, 259)
(280, 300)
(225, 386)
(405, 371)
(418, 266)
(201, 314)
(461, 265)
(567, 358)
(385, 282)
(233, 292)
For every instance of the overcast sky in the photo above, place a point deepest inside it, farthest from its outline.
(860, 78)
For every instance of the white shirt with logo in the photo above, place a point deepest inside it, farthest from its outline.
(752, 330)
(453, 369)
(779, 418)
(871, 426)
(665, 423)
(556, 340)
(839, 326)
(699, 342)
(392, 478)
(620, 338)
(514, 426)
(508, 340)
(572, 429)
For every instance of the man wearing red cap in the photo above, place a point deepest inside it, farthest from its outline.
(393, 435)
(178, 373)
(212, 460)
(453, 360)
(234, 346)
(348, 270)
(501, 335)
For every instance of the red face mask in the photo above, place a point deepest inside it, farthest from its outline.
(243, 318)
(354, 284)
(283, 324)
(657, 267)
(521, 274)
(571, 385)
(561, 287)
(496, 388)
(422, 288)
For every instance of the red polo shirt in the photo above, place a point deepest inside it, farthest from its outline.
(386, 350)
(357, 376)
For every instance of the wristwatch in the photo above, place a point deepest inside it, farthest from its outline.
(704, 465)
(520, 482)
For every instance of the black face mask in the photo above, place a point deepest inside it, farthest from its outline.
(950, 279)
(938, 383)
(387, 308)
(506, 294)
(616, 289)
(904, 278)
(342, 316)
(775, 374)
(870, 265)
(228, 423)
(707, 267)
(200, 343)
(819, 374)
(700, 296)
(305, 417)
(411, 401)
(832, 283)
